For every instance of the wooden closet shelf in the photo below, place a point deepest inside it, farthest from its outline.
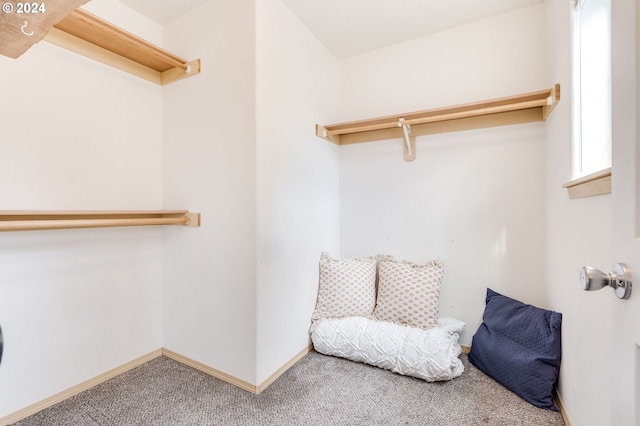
(38, 220)
(91, 36)
(524, 108)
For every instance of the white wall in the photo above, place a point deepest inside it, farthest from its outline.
(297, 180)
(474, 199)
(578, 234)
(77, 134)
(210, 167)
(239, 147)
(238, 292)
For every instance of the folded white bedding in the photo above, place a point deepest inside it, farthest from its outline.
(431, 354)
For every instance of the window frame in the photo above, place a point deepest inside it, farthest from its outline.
(597, 180)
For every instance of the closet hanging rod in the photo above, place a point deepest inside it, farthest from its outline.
(442, 115)
(518, 109)
(33, 220)
(522, 108)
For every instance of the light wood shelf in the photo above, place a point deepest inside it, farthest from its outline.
(91, 36)
(38, 220)
(523, 108)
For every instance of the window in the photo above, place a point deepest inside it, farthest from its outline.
(591, 94)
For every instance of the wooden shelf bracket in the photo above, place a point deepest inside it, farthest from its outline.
(39, 220)
(523, 108)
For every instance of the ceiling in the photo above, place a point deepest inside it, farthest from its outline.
(163, 11)
(350, 27)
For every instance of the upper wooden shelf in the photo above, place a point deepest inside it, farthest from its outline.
(38, 220)
(524, 108)
(89, 35)
(62, 23)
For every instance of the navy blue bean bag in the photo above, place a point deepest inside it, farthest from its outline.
(518, 345)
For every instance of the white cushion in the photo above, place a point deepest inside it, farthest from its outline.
(431, 355)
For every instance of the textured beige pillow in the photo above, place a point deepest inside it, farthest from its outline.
(409, 293)
(347, 287)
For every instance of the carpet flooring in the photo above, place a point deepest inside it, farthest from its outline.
(318, 390)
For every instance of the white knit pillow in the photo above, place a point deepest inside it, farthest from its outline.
(409, 293)
(347, 287)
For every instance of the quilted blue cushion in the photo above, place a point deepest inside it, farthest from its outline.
(518, 345)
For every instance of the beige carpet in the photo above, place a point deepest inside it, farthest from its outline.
(318, 390)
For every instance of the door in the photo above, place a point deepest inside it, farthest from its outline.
(626, 208)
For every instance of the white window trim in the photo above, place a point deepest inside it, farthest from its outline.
(599, 182)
